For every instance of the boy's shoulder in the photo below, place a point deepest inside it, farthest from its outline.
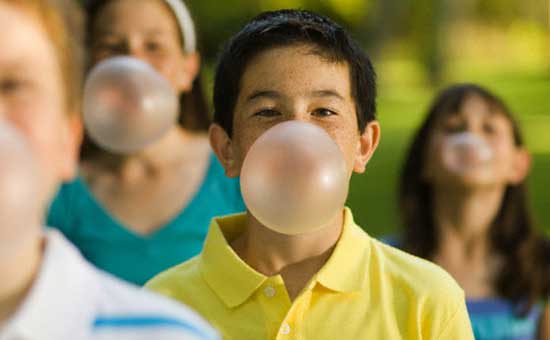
(419, 289)
(186, 283)
(410, 274)
(121, 295)
(178, 280)
(124, 305)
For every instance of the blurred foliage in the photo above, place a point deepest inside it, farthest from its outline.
(218, 20)
(423, 28)
(419, 46)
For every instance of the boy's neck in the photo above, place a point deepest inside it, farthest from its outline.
(297, 258)
(19, 270)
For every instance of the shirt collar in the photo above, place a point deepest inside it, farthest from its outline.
(228, 275)
(60, 304)
(234, 281)
(346, 270)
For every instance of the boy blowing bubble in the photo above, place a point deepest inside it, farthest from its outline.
(334, 281)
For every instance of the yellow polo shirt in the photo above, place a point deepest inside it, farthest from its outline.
(366, 290)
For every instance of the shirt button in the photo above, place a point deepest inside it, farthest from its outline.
(269, 291)
(285, 328)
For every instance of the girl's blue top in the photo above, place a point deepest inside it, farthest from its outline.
(111, 246)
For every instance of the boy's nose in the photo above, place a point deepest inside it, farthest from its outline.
(137, 53)
(300, 115)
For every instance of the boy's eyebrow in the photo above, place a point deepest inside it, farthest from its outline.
(264, 93)
(276, 95)
(20, 65)
(327, 93)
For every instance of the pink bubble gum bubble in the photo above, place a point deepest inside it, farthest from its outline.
(127, 105)
(465, 152)
(294, 178)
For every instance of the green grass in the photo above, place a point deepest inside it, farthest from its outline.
(401, 109)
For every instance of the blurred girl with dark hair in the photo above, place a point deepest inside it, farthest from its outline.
(136, 215)
(472, 217)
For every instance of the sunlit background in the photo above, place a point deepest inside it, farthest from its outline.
(418, 47)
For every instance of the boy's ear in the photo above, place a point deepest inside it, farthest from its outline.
(520, 167)
(222, 145)
(188, 70)
(367, 144)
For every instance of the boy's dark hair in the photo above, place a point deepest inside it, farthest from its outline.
(285, 28)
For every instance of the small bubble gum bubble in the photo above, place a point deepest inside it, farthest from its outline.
(463, 152)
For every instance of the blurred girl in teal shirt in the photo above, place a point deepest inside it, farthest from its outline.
(136, 215)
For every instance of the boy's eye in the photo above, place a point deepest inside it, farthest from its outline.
(111, 47)
(11, 86)
(153, 46)
(323, 112)
(453, 127)
(267, 113)
(489, 128)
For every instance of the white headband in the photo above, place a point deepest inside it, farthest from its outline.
(186, 25)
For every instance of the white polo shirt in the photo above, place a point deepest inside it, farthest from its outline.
(72, 300)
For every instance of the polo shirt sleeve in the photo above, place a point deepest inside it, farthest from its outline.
(458, 326)
(449, 317)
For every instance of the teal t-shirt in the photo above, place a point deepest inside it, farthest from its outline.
(496, 319)
(133, 257)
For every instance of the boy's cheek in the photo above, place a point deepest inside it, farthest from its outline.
(244, 139)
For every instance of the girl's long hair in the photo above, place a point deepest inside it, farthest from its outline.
(525, 271)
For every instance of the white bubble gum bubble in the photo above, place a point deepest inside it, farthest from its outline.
(128, 105)
(294, 178)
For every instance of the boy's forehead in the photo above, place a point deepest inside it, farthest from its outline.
(294, 70)
(25, 39)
